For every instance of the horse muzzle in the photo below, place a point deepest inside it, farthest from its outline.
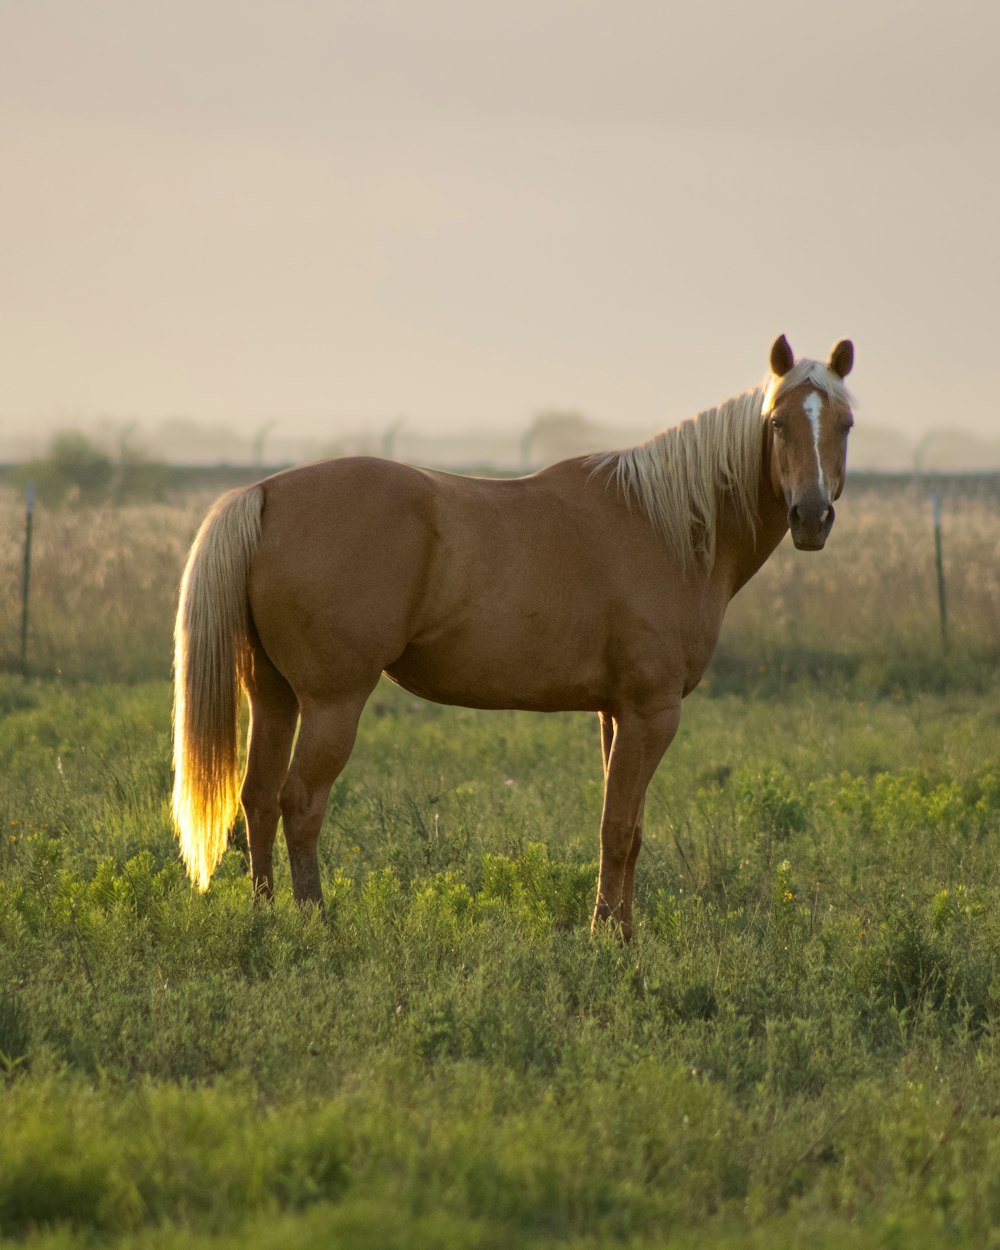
(810, 521)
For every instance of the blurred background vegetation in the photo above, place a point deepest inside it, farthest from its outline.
(77, 470)
(110, 535)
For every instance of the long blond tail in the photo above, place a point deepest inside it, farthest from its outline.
(210, 654)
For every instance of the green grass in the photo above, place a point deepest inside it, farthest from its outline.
(800, 1048)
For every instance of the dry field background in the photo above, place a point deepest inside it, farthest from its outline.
(104, 581)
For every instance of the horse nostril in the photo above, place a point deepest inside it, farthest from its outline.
(811, 514)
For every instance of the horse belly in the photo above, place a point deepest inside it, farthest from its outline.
(507, 665)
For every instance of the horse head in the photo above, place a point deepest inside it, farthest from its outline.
(810, 415)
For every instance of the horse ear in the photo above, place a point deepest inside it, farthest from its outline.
(842, 358)
(781, 357)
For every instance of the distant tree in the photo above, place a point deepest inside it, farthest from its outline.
(79, 470)
(76, 469)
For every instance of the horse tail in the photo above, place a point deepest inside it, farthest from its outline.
(211, 658)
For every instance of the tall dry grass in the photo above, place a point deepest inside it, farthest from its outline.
(871, 597)
(104, 583)
(103, 586)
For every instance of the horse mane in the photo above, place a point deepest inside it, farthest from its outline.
(680, 477)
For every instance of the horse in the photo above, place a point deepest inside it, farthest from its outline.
(597, 584)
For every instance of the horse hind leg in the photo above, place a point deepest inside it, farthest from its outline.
(607, 740)
(273, 713)
(326, 739)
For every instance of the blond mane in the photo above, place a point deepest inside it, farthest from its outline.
(680, 477)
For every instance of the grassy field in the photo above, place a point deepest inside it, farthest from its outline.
(801, 1048)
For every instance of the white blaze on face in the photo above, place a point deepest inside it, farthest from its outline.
(813, 406)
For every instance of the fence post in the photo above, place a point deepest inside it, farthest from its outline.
(26, 583)
(942, 603)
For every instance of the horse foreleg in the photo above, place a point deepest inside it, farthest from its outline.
(628, 876)
(326, 738)
(638, 746)
(273, 713)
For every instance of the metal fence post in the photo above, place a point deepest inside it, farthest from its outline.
(26, 583)
(939, 563)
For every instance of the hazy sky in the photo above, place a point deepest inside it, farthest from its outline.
(462, 213)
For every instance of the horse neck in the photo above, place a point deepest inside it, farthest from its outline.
(742, 548)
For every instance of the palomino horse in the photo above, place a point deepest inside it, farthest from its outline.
(598, 584)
